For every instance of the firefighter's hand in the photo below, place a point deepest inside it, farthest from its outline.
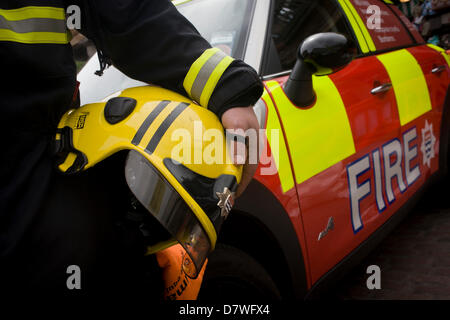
(238, 121)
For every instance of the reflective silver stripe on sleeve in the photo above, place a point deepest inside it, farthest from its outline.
(34, 25)
(204, 74)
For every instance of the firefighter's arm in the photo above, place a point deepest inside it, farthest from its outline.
(149, 40)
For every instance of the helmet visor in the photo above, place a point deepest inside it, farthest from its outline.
(158, 196)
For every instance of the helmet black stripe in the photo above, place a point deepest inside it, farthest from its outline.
(148, 121)
(164, 126)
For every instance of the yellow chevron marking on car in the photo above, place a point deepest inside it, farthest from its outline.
(358, 33)
(283, 164)
(442, 51)
(410, 86)
(318, 137)
(362, 26)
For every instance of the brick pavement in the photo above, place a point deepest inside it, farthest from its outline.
(414, 259)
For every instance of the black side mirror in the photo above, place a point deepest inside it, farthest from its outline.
(320, 54)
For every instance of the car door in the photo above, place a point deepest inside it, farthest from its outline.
(393, 41)
(338, 145)
(434, 62)
(419, 79)
(400, 48)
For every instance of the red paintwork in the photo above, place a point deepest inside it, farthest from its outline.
(437, 87)
(389, 21)
(373, 118)
(429, 59)
(289, 200)
(327, 194)
(374, 121)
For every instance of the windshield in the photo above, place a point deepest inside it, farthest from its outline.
(231, 19)
(224, 23)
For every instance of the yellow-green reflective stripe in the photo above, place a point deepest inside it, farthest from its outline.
(34, 25)
(355, 27)
(204, 75)
(437, 48)
(410, 86)
(34, 37)
(214, 79)
(277, 143)
(362, 25)
(195, 69)
(442, 51)
(33, 12)
(318, 137)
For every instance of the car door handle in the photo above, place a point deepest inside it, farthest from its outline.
(381, 89)
(438, 69)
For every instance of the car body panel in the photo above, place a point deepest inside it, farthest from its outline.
(318, 136)
(372, 118)
(404, 117)
(281, 180)
(405, 73)
(373, 122)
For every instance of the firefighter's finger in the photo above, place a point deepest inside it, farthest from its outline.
(242, 122)
(247, 176)
(237, 146)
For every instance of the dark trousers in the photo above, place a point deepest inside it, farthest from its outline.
(50, 222)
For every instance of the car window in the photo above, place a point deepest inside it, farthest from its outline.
(390, 32)
(294, 21)
(411, 28)
(223, 23)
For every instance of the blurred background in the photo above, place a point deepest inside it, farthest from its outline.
(431, 18)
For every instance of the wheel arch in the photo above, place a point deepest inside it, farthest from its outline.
(260, 226)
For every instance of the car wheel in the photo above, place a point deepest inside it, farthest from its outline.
(233, 275)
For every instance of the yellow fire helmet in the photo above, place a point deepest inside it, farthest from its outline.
(178, 166)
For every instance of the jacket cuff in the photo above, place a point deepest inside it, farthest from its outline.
(239, 86)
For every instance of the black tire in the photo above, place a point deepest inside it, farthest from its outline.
(233, 275)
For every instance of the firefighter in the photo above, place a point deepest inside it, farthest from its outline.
(49, 221)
